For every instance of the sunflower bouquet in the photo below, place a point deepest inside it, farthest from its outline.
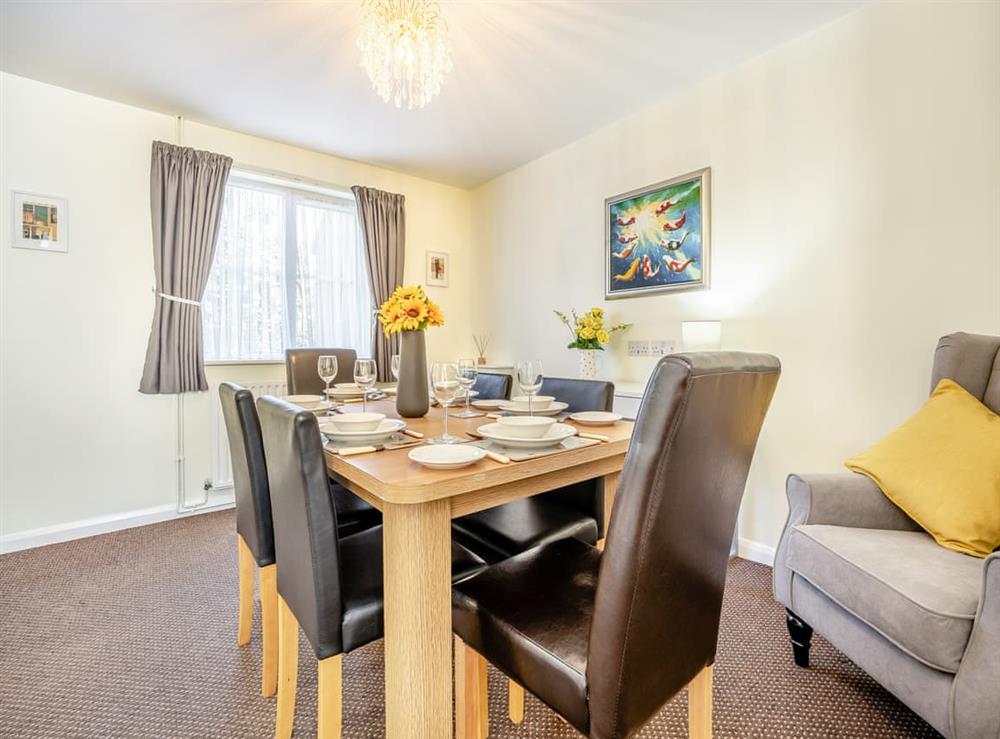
(589, 331)
(409, 309)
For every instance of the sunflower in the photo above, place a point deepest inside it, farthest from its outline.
(413, 312)
(409, 292)
(434, 315)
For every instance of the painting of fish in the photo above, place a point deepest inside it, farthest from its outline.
(656, 238)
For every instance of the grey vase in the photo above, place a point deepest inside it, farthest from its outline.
(412, 398)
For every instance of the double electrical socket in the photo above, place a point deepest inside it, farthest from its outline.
(647, 348)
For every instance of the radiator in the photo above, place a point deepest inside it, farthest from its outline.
(222, 466)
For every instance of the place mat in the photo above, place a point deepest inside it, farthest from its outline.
(521, 455)
(396, 441)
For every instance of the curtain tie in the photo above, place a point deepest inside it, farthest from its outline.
(175, 299)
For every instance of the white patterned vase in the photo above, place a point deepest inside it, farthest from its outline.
(588, 364)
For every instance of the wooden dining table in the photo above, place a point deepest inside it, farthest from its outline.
(417, 506)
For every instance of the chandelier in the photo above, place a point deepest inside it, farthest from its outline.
(404, 49)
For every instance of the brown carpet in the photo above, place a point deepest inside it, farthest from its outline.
(133, 634)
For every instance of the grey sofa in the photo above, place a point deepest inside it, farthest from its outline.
(921, 619)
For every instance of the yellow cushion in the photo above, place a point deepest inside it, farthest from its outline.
(943, 468)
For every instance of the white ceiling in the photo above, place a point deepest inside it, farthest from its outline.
(529, 77)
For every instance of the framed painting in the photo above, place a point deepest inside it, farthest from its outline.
(40, 222)
(656, 238)
(437, 269)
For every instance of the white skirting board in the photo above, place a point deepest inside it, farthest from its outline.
(104, 524)
(756, 552)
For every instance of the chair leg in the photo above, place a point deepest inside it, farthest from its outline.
(801, 635)
(515, 702)
(288, 670)
(246, 568)
(269, 630)
(471, 696)
(329, 709)
(700, 705)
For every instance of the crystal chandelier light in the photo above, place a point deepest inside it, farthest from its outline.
(404, 49)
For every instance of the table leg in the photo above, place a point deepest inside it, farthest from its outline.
(610, 488)
(417, 555)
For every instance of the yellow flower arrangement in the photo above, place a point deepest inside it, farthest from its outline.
(409, 309)
(589, 331)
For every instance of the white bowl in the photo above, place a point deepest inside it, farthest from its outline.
(447, 456)
(347, 386)
(357, 421)
(556, 434)
(525, 427)
(538, 403)
(309, 402)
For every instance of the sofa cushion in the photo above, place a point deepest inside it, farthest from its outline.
(920, 596)
(942, 467)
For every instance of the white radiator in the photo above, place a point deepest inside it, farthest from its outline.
(222, 466)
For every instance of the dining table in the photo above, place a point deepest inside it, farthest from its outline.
(418, 505)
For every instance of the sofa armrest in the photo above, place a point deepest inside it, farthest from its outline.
(843, 499)
(838, 499)
(975, 711)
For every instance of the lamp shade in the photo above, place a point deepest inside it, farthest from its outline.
(701, 336)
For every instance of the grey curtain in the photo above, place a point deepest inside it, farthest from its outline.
(383, 224)
(187, 190)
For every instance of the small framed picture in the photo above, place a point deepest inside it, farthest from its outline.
(437, 269)
(40, 222)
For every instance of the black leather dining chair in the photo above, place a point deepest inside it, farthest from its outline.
(574, 511)
(302, 374)
(607, 638)
(254, 533)
(328, 585)
(492, 386)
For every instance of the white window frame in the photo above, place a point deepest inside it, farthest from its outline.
(299, 190)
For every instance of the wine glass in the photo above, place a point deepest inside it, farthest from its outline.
(468, 371)
(364, 376)
(529, 377)
(394, 366)
(326, 365)
(446, 387)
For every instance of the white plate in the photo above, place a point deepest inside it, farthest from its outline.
(344, 393)
(554, 409)
(595, 418)
(385, 429)
(557, 433)
(447, 456)
(488, 404)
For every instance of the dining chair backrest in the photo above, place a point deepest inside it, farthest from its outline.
(659, 591)
(246, 453)
(302, 372)
(305, 522)
(581, 395)
(492, 386)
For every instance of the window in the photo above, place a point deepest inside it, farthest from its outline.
(289, 270)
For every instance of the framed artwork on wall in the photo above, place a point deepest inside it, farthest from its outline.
(40, 222)
(656, 238)
(437, 269)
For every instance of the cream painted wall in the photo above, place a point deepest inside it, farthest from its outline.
(856, 182)
(78, 440)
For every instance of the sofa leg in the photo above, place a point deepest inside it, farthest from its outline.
(801, 634)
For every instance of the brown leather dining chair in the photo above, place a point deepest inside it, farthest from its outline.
(329, 585)
(607, 638)
(573, 511)
(301, 369)
(254, 531)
